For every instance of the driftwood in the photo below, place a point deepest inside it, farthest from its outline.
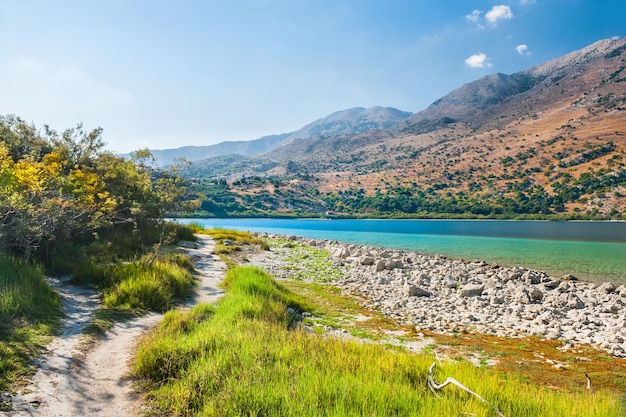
(434, 387)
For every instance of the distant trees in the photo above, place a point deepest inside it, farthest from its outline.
(248, 197)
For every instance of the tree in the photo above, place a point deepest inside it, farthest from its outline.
(57, 188)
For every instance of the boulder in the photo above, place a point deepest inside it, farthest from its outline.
(342, 253)
(366, 260)
(606, 288)
(472, 290)
(393, 264)
(618, 352)
(611, 308)
(415, 291)
(521, 296)
(535, 294)
(380, 266)
(574, 302)
(551, 284)
(450, 282)
(496, 299)
(531, 277)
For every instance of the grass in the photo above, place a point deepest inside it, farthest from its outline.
(29, 313)
(308, 263)
(230, 243)
(155, 286)
(131, 289)
(247, 356)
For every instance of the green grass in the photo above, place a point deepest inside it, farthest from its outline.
(131, 289)
(29, 313)
(246, 356)
(150, 286)
(308, 263)
(235, 238)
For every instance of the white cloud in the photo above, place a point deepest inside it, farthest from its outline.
(522, 49)
(498, 13)
(478, 61)
(474, 16)
(525, 2)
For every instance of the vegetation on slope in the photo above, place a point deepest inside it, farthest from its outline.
(280, 197)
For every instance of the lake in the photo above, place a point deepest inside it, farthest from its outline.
(592, 251)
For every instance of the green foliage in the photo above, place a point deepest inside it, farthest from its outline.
(29, 311)
(256, 197)
(246, 357)
(61, 191)
(75, 209)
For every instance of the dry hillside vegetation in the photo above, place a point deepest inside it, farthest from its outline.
(555, 132)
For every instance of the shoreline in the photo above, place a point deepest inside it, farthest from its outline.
(446, 295)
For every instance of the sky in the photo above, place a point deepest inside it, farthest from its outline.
(169, 73)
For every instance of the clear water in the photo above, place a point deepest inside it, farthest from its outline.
(593, 251)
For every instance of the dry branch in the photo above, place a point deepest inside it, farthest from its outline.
(434, 386)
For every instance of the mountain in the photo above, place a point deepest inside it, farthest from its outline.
(483, 101)
(548, 139)
(351, 121)
(165, 157)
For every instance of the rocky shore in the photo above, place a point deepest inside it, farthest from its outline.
(447, 296)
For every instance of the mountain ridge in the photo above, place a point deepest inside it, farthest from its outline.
(350, 121)
(547, 139)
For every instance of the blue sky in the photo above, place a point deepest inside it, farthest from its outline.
(164, 74)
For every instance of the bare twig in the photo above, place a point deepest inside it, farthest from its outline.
(434, 386)
(588, 381)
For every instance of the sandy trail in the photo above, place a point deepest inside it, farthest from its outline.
(71, 383)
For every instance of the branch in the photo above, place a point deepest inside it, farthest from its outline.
(588, 382)
(434, 386)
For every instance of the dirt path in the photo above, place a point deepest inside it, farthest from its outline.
(71, 383)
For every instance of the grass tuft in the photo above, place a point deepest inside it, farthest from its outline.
(156, 286)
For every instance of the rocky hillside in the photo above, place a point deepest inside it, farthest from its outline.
(352, 121)
(490, 100)
(345, 122)
(549, 139)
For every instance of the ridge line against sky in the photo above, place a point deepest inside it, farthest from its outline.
(165, 74)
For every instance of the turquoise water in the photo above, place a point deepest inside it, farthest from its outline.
(593, 251)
